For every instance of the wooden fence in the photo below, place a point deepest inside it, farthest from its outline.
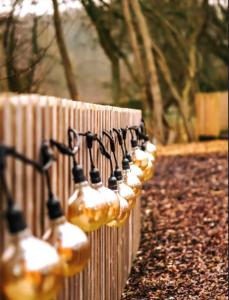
(25, 121)
(211, 113)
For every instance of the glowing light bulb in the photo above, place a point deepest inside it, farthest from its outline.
(71, 244)
(125, 190)
(111, 199)
(133, 182)
(134, 169)
(124, 208)
(86, 207)
(130, 179)
(127, 193)
(139, 158)
(149, 170)
(108, 195)
(31, 268)
(150, 148)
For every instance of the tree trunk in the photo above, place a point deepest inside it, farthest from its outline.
(152, 77)
(139, 71)
(69, 75)
(116, 84)
(133, 39)
(181, 99)
(185, 119)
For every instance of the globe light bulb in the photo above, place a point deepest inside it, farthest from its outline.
(124, 209)
(86, 207)
(109, 195)
(69, 240)
(125, 190)
(132, 181)
(149, 170)
(134, 169)
(139, 157)
(150, 148)
(31, 268)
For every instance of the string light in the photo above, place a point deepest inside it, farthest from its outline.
(124, 207)
(86, 207)
(141, 158)
(138, 156)
(127, 178)
(147, 145)
(134, 169)
(69, 240)
(109, 196)
(31, 268)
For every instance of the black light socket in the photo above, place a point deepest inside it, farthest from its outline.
(16, 220)
(95, 176)
(143, 147)
(134, 143)
(125, 164)
(118, 174)
(112, 183)
(54, 208)
(78, 174)
(128, 156)
(146, 138)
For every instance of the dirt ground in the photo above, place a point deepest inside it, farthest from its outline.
(183, 250)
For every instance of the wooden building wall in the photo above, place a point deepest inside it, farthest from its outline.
(211, 113)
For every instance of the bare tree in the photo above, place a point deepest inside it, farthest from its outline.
(68, 69)
(182, 94)
(152, 76)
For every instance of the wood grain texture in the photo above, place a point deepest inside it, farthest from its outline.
(27, 120)
(211, 113)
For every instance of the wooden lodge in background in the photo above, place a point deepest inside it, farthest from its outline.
(211, 114)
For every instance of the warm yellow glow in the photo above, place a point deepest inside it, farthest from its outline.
(151, 148)
(134, 169)
(87, 208)
(124, 212)
(139, 158)
(127, 193)
(71, 243)
(31, 269)
(133, 182)
(111, 200)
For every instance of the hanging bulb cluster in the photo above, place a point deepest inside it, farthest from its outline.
(140, 157)
(69, 240)
(127, 178)
(33, 268)
(87, 208)
(110, 198)
(124, 207)
(147, 146)
(134, 169)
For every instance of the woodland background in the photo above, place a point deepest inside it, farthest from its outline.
(148, 54)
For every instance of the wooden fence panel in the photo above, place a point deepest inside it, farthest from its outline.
(25, 121)
(211, 113)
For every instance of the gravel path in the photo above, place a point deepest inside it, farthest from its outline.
(183, 251)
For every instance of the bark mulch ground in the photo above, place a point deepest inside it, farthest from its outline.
(183, 250)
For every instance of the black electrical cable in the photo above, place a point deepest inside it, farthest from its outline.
(15, 219)
(105, 153)
(112, 146)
